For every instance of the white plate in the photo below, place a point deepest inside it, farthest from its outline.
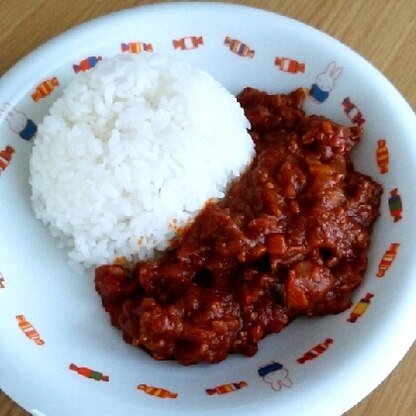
(60, 316)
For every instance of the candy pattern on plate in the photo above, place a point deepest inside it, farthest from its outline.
(5, 157)
(86, 64)
(395, 205)
(239, 48)
(28, 330)
(157, 391)
(226, 388)
(188, 42)
(274, 374)
(88, 373)
(316, 351)
(289, 65)
(387, 259)
(45, 88)
(360, 308)
(353, 112)
(136, 47)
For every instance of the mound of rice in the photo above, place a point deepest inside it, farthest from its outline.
(130, 153)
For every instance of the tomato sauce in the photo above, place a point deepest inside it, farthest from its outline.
(289, 238)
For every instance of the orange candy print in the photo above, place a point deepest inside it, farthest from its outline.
(289, 65)
(315, 351)
(45, 88)
(226, 388)
(157, 391)
(6, 157)
(387, 259)
(28, 330)
(88, 373)
(382, 155)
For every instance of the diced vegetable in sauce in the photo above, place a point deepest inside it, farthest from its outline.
(289, 238)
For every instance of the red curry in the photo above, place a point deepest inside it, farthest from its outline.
(289, 238)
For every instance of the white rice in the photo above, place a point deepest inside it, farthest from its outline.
(131, 151)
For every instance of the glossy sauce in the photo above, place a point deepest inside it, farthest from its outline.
(289, 239)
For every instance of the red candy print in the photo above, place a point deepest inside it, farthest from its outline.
(188, 42)
(87, 64)
(353, 112)
(289, 65)
(315, 351)
(136, 47)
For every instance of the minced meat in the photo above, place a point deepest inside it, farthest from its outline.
(289, 238)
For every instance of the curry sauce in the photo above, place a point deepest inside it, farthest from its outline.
(289, 238)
